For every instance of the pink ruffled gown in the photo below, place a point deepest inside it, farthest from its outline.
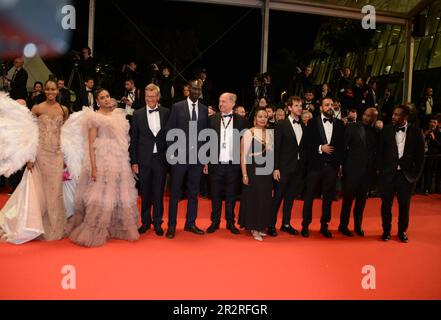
(106, 208)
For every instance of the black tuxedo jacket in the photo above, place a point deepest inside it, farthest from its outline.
(239, 123)
(83, 100)
(286, 148)
(180, 119)
(359, 156)
(142, 140)
(387, 109)
(18, 85)
(315, 136)
(137, 103)
(412, 161)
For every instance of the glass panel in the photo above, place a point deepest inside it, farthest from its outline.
(388, 58)
(424, 52)
(377, 62)
(384, 37)
(397, 64)
(398, 6)
(395, 35)
(435, 59)
(433, 18)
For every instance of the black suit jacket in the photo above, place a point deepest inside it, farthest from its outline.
(239, 123)
(83, 100)
(180, 119)
(315, 136)
(286, 148)
(359, 156)
(412, 161)
(387, 109)
(18, 85)
(142, 140)
(137, 103)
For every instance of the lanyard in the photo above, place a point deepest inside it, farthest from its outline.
(224, 144)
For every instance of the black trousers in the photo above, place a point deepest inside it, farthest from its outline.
(355, 188)
(432, 167)
(178, 173)
(289, 186)
(396, 184)
(325, 178)
(151, 184)
(225, 182)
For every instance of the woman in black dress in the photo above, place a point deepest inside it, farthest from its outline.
(256, 155)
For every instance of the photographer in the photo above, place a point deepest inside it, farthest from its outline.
(86, 63)
(433, 163)
(130, 72)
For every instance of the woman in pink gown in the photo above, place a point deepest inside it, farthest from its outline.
(105, 201)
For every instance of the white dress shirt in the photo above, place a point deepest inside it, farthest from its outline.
(400, 138)
(429, 105)
(226, 138)
(190, 107)
(328, 126)
(297, 130)
(154, 122)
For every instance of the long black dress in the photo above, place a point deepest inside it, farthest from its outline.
(256, 200)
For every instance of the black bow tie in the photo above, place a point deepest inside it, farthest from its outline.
(154, 110)
(227, 116)
(296, 121)
(400, 129)
(327, 119)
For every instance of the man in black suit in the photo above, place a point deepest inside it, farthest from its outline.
(225, 173)
(400, 160)
(387, 106)
(360, 149)
(324, 139)
(427, 107)
(86, 97)
(187, 117)
(131, 100)
(147, 156)
(288, 165)
(64, 94)
(433, 163)
(19, 81)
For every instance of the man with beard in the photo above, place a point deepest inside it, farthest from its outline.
(400, 160)
(360, 149)
(324, 139)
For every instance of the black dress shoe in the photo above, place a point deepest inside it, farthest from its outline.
(194, 230)
(272, 231)
(385, 236)
(326, 233)
(360, 232)
(213, 227)
(305, 233)
(232, 228)
(144, 228)
(345, 231)
(403, 237)
(159, 231)
(171, 232)
(290, 230)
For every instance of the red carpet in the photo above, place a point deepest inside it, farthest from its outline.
(225, 266)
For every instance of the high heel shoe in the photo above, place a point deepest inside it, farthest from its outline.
(256, 235)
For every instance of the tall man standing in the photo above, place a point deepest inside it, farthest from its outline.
(189, 117)
(19, 81)
(324, 138)
(225, 175)
(147, 156)
(400, 162)
(288, 165)
(360, 149)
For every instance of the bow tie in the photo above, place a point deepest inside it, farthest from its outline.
(296, 121)
(227, 116)
(327, 120)
(400, 129)
(154, 110)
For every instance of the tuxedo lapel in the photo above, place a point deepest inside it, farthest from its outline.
(362, 132)
(145, 121)
(291, 131)
(162, 118)
(186, 110)
(321, 129)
